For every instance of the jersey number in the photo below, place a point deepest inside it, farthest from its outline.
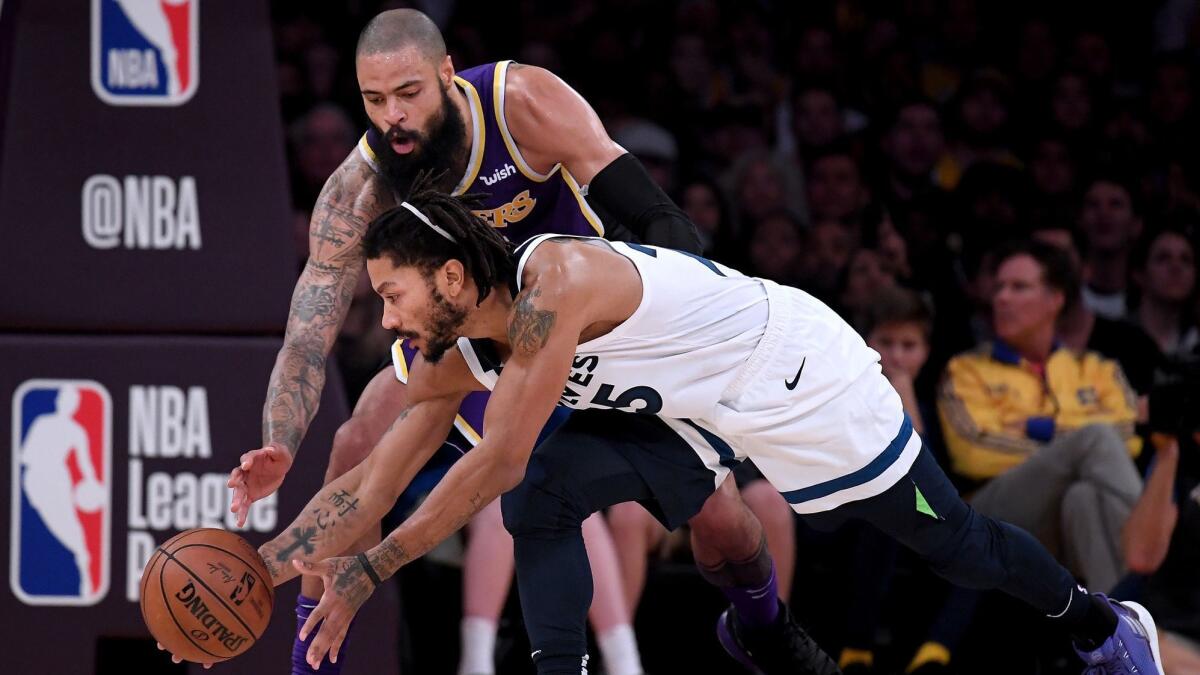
(651, 400)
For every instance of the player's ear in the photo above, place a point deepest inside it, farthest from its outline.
(446, 71)
(453, 277)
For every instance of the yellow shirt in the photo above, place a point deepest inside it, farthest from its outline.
(996, 409)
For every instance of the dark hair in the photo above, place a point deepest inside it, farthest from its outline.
(398, 28)
(407, 241)
(1057, 270)
(898, 305)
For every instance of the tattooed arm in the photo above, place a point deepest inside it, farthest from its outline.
(351, 198)
(342, 510)
(543, 331)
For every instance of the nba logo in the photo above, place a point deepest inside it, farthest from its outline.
(145, 52)
(62, 489)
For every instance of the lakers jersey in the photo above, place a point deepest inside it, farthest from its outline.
(517, 200)
(746, 363)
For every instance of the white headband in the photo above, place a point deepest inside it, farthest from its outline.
(417, 212)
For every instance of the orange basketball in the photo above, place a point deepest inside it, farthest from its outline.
(206, 595)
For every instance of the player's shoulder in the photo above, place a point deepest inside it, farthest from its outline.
(529, 88)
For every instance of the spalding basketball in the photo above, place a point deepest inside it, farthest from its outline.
(206, 595)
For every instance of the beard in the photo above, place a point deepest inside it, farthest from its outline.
(439, 150)
(441, 331)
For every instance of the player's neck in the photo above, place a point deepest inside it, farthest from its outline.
(490, 319)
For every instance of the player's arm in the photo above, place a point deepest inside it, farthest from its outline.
(543, 331)
(341, 511)
(552, 123)
(350, 199)
(347, 203)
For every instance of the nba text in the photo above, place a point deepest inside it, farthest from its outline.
(170, 424)
(140, 212)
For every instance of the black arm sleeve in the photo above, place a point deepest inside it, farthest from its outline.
(625, 191)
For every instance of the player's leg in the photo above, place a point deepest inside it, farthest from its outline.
(730, 548)
(610, 616)
(636, 533)
(923, 511)
(487, 575)
(587, 464)
(779, 525)
(380, 403)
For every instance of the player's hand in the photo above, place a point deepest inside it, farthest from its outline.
(176, 659)
(260, 473)
(347, 587)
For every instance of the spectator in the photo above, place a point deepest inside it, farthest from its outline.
(1110, 223)
(1072, 104)
(319, 142)
(816, 120)
(1046, 432)
(776, 247)
(835, 186)
(912, 144)
(982, 112)
(706, 205)
(866, 275)
(762, 184)
(1080, 329)
(824, 256)
(1164, 271)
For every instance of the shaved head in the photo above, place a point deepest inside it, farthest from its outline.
(396, 29)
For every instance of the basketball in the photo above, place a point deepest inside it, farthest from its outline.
(206, 595)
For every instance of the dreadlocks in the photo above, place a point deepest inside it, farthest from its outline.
(406, 240)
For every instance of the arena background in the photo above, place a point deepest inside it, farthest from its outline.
(154, 217)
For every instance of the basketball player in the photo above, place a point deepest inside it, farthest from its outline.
(47, 479)
(691, 344)
(529, 143)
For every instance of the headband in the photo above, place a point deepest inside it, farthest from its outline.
(424, 219)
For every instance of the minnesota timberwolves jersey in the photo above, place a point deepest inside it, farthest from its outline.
(748, 364)
(517, 200)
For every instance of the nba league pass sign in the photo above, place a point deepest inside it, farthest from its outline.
(145, 52)
(115, 445)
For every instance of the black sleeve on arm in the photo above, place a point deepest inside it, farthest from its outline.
(624, 190)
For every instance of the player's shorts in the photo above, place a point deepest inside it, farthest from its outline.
(821, 442)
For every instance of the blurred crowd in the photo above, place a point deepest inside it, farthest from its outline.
(984, 190)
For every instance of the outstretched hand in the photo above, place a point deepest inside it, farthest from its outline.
(347, 587)
(259, 474)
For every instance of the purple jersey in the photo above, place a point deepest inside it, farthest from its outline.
(518, 200)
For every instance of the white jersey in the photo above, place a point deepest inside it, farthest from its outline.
(744, 363)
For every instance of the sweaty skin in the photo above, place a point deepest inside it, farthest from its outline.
(572, 291)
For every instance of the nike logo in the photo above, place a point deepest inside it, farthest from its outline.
(792, 385)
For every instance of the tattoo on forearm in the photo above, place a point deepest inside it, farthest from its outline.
(388, 557)
(303, 539)
(529, 327)
(344, 502)
(350, 199)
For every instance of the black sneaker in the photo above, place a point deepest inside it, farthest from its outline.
(781, 649)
